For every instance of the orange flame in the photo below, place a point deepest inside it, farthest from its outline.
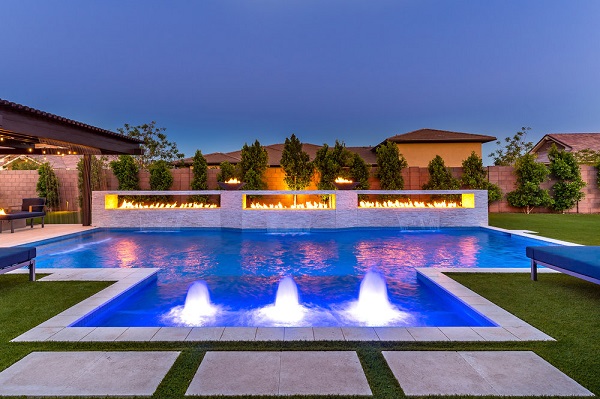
(2, 212)
(342, 180)
(233, 180)
(160, 205)
(306, 205)
(407, 204)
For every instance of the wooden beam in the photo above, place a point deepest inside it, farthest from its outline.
(86, 205)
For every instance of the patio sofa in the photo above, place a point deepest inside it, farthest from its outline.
(29, 209)
(16, 258)
(581, 262)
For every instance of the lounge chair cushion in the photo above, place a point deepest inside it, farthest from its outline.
(581, 260)
(11, 256)
(21, 215)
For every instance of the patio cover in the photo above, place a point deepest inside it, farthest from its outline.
(25, 130)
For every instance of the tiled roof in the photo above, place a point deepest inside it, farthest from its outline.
(572, 142)
(55, 118)
(439, 136)
(366, 153)
(274, 152)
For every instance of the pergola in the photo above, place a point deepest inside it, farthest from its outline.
(25, 130)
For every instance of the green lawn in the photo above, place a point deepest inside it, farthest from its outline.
(564, 307)
(578, 228)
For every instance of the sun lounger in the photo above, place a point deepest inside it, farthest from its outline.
(29, 209)
(16, 258)
(581, 262)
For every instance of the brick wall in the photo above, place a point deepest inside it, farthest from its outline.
(18, 184)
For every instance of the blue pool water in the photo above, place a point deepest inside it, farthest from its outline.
(242, 270)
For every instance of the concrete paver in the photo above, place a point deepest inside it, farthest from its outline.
(322, 373)
(86, 374)
(504, 373)
(279, 373)
(522, 374)
(237, 373)
(138, 334)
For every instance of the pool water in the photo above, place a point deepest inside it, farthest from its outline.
(242, 271)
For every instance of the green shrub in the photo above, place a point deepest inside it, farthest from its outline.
(199, 177)
(296, 164)
(359, 172)
(390, 164)
(48, 186)
(440, 177)
(253, 165)
(126, 172)
(23, 164)
(475, 177)
(330, 163)
(529, 194)
(565, 169)
(226, 171)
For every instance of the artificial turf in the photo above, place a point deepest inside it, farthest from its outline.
(562, 306)
(578, 228)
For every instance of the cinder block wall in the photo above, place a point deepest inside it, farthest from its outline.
(18, 184)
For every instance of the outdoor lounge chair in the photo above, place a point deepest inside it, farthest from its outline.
(16, 258)
(581, 262)
(30, 208)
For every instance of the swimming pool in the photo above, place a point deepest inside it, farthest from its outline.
(243, 270)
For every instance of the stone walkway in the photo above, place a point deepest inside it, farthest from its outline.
(419, 373)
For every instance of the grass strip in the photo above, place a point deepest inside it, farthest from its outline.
(564, 307)
(573, 227)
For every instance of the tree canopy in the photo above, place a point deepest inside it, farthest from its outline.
(296, 164)
(126, 172)
(514, 148)
(156, 146)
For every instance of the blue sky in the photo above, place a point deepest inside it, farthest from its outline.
(221, 73)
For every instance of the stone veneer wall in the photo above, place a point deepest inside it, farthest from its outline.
(345, 215)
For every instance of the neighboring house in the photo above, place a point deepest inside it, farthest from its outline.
(570, 142)
(418, 147)
(421, 146)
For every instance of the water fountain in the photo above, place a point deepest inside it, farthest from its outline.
(197, 307)
(287, 309)
(373, 307)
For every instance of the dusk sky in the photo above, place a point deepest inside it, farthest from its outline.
(220, 73)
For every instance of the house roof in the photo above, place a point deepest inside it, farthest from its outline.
(438, 136)
(274, 152)
(572, 142)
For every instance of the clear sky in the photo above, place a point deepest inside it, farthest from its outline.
(219, 73)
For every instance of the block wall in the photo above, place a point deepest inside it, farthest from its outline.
(18, 184)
